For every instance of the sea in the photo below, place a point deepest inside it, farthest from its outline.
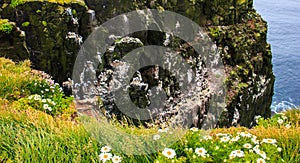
(283, 17)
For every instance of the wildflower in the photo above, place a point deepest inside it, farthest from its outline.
(217, 148)
(169, 153)
(235, 139)
(232, 155)
(256, 118)
(30, 97)
(47, 90)
(194, 129)
(269, 141)
(44, 101)
(156, 137)
(261, 153)
(284, 117)
(280, 121)
(163, 130)
(287, 126)
(279, 149)
(256, 148)
(247, 145)
(221, 134)
(245, 134)
(225, 139)
(200, 152)
(260, 160)
(105, 157)
(37, 97)
(239, 153)
(105, 149)
(47, 107)
(116, 159)
(207, 137)
(254, 140)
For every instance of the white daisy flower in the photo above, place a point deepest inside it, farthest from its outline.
(287, 126)
(261, 153)
(44, 101)
(194, 129)
(225, 139)
(254, 140)
(47, 107)
(279, 149)
(280, 121)
(247, 145)
(256, 148)
(235, 139)
(284, 117)
(169, 153)
(30, 97)
(238, 153)
(269, 141)
(260, 160)
(200, 152)
(207, 137)
(256, 118)
(156, 137)
(163, 130)
(105, 157)
(221, 134)
(37, 97)
(232, 155)
(116, 159)
(105, 149)
(245, 134)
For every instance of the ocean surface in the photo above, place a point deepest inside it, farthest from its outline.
(283, 17)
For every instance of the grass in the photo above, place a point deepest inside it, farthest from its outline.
(15, 3)
(29, 133)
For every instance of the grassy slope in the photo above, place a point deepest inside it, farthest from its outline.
(31, 135)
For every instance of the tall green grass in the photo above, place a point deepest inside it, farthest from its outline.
(29, 134)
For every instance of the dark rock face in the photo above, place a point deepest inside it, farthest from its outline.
(54, 33)
(13, 45)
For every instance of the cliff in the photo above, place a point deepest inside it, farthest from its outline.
(54, 31)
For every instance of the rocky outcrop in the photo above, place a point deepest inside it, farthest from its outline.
(55, 31)
(12, 42)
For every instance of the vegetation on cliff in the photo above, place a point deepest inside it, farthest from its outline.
(31, 132)
(6, 26)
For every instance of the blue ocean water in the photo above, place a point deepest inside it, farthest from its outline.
(283, 17)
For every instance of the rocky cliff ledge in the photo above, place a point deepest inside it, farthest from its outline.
(50, 34)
